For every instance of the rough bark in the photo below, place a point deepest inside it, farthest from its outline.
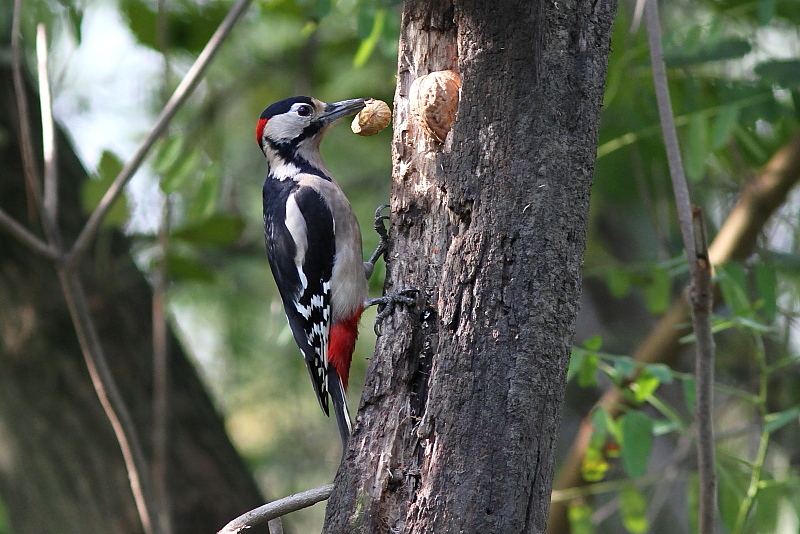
(458, 422)
(61, 468)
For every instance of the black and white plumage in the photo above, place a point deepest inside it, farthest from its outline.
(313, 243)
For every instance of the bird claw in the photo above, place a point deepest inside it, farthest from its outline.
(380, 228)
(387, 303)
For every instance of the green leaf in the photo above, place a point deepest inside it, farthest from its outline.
(593, 343)
(587, 374)
(619, 283)
(785, 72)
(167, 153)
(733, 285)
(217, 230)
(93, 191)
(633, 509)
(575, 361)
(657, 292)
(661, 371)
(368, 45)
(637, 441)
(775, 421)
(206, 196)
(180, 171)
(696, 147)
(767, 508)
(580, 518)
(718, 51)
(693, 503)
(594, 465)
(689, 393)
(644, 386)
(731, 489)
(766, 11)
(767, 290)
(625, 367)
(185, 268)
(723, 126)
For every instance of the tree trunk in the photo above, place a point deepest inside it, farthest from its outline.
(61, 468)
(458, 422)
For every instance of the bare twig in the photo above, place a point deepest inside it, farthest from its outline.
(110, 398)
(50, 201)
(24, 236)
(679, 186)
(702, 302)
(48, 131)
(694, 241)
(270, 511)
(178, 98)
(29, 167)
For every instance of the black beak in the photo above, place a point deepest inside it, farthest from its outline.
(338, 110)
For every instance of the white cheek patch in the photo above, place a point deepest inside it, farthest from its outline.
(284, 127)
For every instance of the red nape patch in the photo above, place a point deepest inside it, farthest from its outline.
(343, 337)
(260, 130)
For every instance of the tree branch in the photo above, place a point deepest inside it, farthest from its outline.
(110, 399)
(702, 303)
(735, 240)
(24, 236)
(268, 512)
(694, 241)
(179, 97)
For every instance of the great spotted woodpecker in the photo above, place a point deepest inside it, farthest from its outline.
(314, 244)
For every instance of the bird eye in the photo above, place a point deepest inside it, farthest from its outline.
(304, 110)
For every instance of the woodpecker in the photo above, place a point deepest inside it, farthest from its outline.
(314, 244)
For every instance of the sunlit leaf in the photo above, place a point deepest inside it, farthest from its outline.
(593, 343)
(368, 44)
(594, 466)
(645, 385)
(580, 518)
(637, 441)
(661, 371)
(633, 509)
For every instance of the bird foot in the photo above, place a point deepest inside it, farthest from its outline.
(380, 228)
(387, 303)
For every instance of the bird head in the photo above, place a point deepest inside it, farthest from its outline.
(295, 126)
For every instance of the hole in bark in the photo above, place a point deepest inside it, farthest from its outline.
(488, 511)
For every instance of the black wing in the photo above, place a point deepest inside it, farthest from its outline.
(301, 249)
